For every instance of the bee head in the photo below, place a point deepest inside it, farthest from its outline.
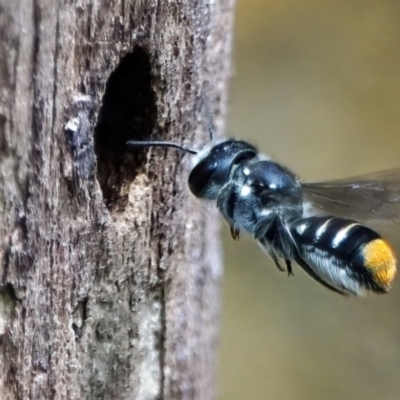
(214, 166)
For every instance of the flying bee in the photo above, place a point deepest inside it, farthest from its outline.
(319, 226)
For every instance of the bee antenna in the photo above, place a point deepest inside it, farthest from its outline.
(156, 143)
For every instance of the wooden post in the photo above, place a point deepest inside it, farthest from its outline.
(110, 270)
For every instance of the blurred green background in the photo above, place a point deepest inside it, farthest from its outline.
(317, 87)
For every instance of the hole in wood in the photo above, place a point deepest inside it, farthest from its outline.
(128, 112)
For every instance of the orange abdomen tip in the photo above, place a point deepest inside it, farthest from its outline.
(380, 261)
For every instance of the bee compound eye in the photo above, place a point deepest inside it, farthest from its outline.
(201, 176)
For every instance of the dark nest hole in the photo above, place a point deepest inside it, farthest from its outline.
(128, 112)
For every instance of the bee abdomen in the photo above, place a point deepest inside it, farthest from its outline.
(345, 254)
(379, 259)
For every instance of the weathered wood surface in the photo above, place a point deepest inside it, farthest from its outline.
(110, 270)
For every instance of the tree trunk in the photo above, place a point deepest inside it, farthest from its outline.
(110, 270)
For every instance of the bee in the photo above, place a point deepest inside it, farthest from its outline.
(322, 227)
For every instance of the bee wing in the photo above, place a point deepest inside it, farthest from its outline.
(372, 199)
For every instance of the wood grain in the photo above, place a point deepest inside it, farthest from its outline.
(110, 270)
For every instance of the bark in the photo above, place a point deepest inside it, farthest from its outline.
(110, 270)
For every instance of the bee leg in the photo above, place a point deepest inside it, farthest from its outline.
(262, 227)
(235, 233)
(289, 267)
(275, 258)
